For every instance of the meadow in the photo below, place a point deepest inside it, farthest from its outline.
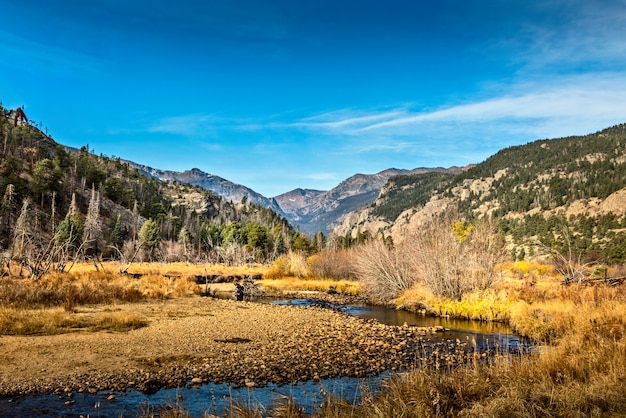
(577, 369)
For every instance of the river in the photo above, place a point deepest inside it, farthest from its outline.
(212, 398)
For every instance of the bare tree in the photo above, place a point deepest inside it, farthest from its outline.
(21, 232)
(383, 271)
(569, 261)
(92, 231)
(452, 261)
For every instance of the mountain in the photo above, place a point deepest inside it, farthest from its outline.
(311, 210)
(228, 190)
(545, 194)
(63, 202)
(316, 210)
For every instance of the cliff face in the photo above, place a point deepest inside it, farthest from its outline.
(537, 192)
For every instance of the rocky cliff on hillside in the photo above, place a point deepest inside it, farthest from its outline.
(538, 192)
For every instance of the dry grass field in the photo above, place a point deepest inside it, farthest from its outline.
(579, 369)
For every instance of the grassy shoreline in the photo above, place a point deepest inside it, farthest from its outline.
(581, 370)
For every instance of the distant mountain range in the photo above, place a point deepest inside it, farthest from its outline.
(567, 194)
(315, 210)
(226, 189)
(311, 210)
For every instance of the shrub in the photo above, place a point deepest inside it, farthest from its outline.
(332, 264)
(452, 263)
(279, 268)
(382, 271)
(292, 264)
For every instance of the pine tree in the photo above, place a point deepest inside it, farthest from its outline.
(117, 233)
(149, 236)
(70, 229)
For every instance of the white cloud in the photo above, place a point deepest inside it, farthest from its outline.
(555, 107)
(187, 125)
(321, 176)
(586, 33)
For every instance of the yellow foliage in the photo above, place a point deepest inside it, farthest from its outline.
(292, 264)
(279, 268)
(173, 269)
(294, 284)
(462, 229)
(526, 269)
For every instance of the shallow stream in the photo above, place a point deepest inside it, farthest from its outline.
(212, 398)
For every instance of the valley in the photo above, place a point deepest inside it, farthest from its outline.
(109, 273)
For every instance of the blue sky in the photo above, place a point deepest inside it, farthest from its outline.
(281, 94)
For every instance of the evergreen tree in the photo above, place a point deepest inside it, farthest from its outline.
(70, 230)
(149, 236)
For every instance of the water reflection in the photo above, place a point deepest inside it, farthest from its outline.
(214, 399)
(195, 400)
(480, 336)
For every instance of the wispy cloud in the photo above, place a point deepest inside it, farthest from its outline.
(197, 125)
(321, 176)
(588, 34)
(563, 106)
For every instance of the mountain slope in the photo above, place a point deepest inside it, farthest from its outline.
(226, 189)
(46, 188)
(311, 210)
(538, 190)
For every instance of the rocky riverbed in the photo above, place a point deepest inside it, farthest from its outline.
(197, 340)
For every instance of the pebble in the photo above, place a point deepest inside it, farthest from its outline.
(249, 344)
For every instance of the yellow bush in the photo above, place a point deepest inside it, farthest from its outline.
(488, 305)
(279, 268)
(290, 265)
(293, 284)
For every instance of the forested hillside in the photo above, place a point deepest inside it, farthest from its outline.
(59, 205)
(566, 192)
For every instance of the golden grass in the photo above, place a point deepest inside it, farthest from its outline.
(580, 374)
(37, 322)
(488, 305)
(118, 321)
(174, 269)
(81, 288)
(565, 381)
(68, 290)
(49, 305)
(541, 309)
(58, 321)
(573, 307)
(580, 370)
(291, 284)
